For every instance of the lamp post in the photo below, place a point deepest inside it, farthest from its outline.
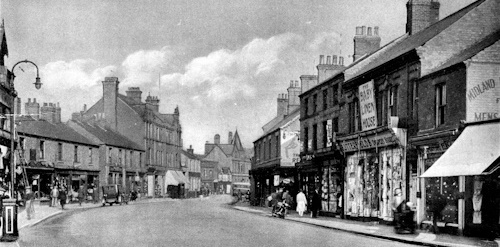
(9, 211)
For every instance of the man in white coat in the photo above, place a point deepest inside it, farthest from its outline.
(301, 203)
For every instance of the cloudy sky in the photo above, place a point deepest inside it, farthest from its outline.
(222, 62)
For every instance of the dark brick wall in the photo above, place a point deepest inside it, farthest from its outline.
(455, 79)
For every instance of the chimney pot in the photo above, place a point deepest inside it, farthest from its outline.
(29, 100)
(321, 59)
(363, 30)
(328, 60)
(369, 31)
(375, 31)
(34, 100)
(334, 59)
(359, 31)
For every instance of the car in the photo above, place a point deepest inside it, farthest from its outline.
(113, 194)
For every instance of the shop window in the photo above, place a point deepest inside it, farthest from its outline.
(448, 188)
(59, 151)
(42, 149)
(440, 103)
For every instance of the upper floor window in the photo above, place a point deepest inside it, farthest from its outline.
(325, 99)
(140, 159)
(90, 155)
(76, 153)
(325, 133)
(22, 143)
(277, 145)
(335, 94)
(120, 156)
(335, 125)
(306, 104)
(315, 103)
(59, 151)
(270, 148)
(306, 139)
(315, 137)
(42, 149)
(440, 103)
(109, 154)
(130, 158)
(393, 93)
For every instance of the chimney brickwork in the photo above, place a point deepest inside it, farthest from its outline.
(110, 94)
(308, 81)
(420, 14)
(366, 41)
(32, 108)
(294, 90)
(134, 93)
(332, 66)
(282, 104)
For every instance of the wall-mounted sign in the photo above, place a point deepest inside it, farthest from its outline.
(290, 147)
(276, 180)
(483, 92)
(329, 133)
(367, 106)
(367, 142)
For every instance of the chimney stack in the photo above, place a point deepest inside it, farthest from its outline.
(293, 96)
(154, 102)
(230, 137)
(365, 42)
(307, 82)
(134, 93)
(190, 149)
(217, 139)
(32, 109)
(282, 105)
(420, 14)
(110, 95)
(329, 69)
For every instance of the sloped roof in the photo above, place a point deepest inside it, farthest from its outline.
(59, 131)
(411, 42)
(141, 107)
(284, 121)
(469, 52)
(109, 136)
(227, 148)
(190, 155)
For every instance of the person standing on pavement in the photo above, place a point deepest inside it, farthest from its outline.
(29, 197)
(301, 203)
(54, 194)
(287, 198)
(62, 197)
(81, 195)
(315, 203)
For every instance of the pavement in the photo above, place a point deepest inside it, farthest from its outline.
(44, 212)
(373, 229)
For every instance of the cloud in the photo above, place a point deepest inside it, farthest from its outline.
(144, 66)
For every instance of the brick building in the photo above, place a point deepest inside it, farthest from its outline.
(191, 166)
(276, 150)
(400, 111)
(141, 122)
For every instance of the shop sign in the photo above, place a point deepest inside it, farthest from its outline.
(483, 92)
(276, 180)
(307, 157)
(290, 148)
(329, 133)
(367, 106)
(368, 142)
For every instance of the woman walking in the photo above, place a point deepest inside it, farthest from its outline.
(301, 203)
(62, 197)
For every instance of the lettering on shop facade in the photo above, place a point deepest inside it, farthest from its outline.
(367, 106)
(369, 142)
(483, 96)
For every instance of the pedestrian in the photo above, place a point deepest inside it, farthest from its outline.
(274, 200)
(81, 195)
(287, 198)
(54, 194)
(29, 196)
(315, 203)
(62, 197)
(301, 203)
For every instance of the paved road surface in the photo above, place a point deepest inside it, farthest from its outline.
(194, 222)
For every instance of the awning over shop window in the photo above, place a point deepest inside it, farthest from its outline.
(172, 178)
(474, 151)
(183, 177)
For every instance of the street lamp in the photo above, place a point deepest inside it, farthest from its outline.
(9, 211)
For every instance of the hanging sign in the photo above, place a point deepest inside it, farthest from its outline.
(367, 106)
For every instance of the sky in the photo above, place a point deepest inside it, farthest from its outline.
(223, 63)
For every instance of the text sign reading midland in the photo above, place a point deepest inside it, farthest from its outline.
(367, 106)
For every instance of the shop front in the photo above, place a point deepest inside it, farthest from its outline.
(309, 174)
(467, 175)
(375, 167)
(332, 183)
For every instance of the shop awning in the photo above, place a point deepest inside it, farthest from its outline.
(182, 177)
(172, 178)
(474, 152)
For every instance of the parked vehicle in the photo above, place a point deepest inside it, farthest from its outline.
(113, 194)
